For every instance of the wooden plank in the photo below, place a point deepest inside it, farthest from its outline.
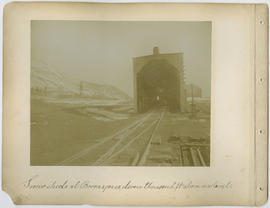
(201, 157)
(194, 157)
(135, 160)
(185, 156)
(180, 156)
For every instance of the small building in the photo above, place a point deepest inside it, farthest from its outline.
(159, 80)
(193, 90)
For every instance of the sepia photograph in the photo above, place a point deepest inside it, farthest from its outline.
(120, 93)
(163, 103)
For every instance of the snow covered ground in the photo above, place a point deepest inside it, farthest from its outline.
(199, 99)
(79, 101)
(104, 115)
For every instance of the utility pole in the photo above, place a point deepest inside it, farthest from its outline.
(192, 101)
(81, 88)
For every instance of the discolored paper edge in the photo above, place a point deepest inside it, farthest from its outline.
(261, 104)
(15, 172)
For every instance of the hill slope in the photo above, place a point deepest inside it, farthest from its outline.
(45, 81)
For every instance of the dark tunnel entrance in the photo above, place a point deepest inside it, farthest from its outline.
(158, 85)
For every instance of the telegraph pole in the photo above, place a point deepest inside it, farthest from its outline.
(81, 88)
(192, 101)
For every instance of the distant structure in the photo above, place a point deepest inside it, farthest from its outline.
(81, 88)
(159, 80)
(193, 90)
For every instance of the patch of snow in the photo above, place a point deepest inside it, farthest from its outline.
(199, 99)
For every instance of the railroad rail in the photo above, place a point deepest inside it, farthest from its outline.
(191, 155)
(131, 146)
(128, 138)
(104, 140)
(118, 142)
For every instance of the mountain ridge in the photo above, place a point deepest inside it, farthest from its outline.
(45, 81)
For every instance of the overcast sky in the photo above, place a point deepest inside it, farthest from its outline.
(102, 51)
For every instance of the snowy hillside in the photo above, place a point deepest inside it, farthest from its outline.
(45, 81)
(98, 91)
(43, 76)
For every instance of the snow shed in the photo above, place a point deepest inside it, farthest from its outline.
(159, 81)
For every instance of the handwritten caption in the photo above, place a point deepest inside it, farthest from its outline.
(32, 183)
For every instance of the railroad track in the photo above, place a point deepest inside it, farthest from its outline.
(143, 158)
(191, 155)
(113, 145)
(131, 146)
(124, 143)
(104, 140)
